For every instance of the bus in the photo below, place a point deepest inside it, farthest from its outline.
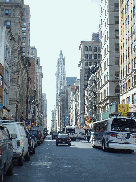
(114, 133)
(71, 130)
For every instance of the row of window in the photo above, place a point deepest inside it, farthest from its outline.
(90, 56)
(105, 92)
(90, 48)
(129, 100)
(129, 84)
(116, 21)
(116, 8)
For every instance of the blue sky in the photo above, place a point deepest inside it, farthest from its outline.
(60, 25)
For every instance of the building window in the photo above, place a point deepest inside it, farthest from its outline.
(90, 48)
(104, 65)
(116, 6)
(23, 19)
(7, 12)
(135, 63)
(23, 48)
(89, 63)
(86, 63)
(134, 80)
(116, 18)
(116, 60)
(1, 80)
(23, 29)
(86, 56)
(86, 48)
(104, 93)
(116, 46)
(116, 74)
(23, 38)
(95, 56)
(95, 49)
(116, 33)
(90, 56)
(98, 56)
(8, 24)
(117, 89)
(24, 24)
(23, 33)
(24, 9)
(133, 98)
(23, 43)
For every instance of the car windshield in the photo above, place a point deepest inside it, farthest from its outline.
(62, 136)
(70, 130)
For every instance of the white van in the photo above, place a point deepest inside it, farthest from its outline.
(19, 141)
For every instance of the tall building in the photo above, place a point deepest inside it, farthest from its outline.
(90, 55)
(44, 108)
(127, 41)
(109, 90)
(60, 91)
(25, 44)
(11, 17)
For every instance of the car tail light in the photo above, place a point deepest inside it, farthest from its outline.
(112, 135)
(18, 143)
(68, 139)
(134, 136)
(0, 151)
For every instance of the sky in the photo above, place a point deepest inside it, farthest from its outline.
(60, 25)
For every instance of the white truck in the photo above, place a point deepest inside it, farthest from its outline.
(73, 131)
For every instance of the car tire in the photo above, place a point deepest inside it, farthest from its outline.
(104, 146)
(27, 156)
(2, 176)
(69, 144)
(10, 170)
(56, 144)
(21, 160)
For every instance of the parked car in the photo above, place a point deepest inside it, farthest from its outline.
(63, 139)
(81, 136)
(19, 141)
(54, 135)
(36, 133)
(6, 153)
(31, 142)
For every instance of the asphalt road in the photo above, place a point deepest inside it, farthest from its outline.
(76, 163)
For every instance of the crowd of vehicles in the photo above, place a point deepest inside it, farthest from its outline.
(16, 144)
(112, 133)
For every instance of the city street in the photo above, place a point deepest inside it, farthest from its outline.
(78, 162)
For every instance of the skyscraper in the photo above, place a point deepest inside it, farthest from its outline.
(60, 89)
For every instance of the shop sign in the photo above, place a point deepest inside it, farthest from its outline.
(124, 108)
(132, 108)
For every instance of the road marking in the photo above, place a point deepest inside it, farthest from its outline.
(41, 163)
(67, 166)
